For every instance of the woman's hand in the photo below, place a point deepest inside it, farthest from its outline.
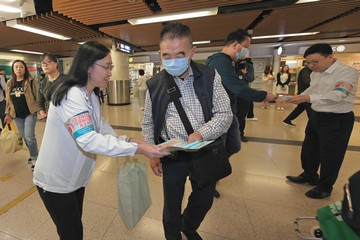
(150, 151)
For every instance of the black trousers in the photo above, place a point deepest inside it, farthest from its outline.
(326, 139)
(242, 111)
(250, 113)
(175, 173)
(65, 210)
(298, 110)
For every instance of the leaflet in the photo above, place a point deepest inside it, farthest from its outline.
(176, 144)
(284, 97)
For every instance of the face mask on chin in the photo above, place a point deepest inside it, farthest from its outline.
(244, 51)
(176, 67)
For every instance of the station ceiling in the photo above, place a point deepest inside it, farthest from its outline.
(105, 20)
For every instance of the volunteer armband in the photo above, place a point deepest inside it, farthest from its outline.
(343, 87)
(79, 125)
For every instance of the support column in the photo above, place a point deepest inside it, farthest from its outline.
(119, 84)
(276, 67)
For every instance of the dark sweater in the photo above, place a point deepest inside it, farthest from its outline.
(230, 80)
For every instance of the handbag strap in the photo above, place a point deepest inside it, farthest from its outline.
(175, 95)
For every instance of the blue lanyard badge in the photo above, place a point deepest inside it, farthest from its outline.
(79, 124)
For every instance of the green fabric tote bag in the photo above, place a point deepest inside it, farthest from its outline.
(133, 191)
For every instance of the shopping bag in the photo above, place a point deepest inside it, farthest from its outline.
(133, 191)
(9, 140)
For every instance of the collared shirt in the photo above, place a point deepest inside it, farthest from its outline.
(174, 128)
(324, 94)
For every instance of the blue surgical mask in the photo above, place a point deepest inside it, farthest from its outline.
(176, 67)
(244, 51)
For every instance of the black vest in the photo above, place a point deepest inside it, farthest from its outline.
(203, 86)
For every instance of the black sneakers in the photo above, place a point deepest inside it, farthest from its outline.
(288, 123)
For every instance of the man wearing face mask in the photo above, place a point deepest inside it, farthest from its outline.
(236, 48)
(207, 107)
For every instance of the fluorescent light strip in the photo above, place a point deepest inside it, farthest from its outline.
(174, 16)
(23, 51)
(306, 1)
(14, 24)
(4, 8)
(285, 35)
(201, 42)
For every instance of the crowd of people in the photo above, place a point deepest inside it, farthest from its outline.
(216, 98)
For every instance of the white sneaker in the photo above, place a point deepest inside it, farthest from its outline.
(252, 119)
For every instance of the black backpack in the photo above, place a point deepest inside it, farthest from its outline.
(351, 203)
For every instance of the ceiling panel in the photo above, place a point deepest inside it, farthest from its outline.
(212, 28)
(105, 20)
(301, 17)
(92, 12)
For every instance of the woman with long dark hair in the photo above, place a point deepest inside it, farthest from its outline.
(75, 132)
(282, 85)
(21, 96)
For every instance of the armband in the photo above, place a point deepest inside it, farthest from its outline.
(342, 90)
(79, 124)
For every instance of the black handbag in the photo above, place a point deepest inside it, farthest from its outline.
(210, 163)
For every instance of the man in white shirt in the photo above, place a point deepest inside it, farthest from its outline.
(332, 94)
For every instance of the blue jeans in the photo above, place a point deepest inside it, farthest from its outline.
(26, 128)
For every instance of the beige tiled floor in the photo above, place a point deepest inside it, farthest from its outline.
(256, 201)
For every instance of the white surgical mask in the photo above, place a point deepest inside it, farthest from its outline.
(176, 67)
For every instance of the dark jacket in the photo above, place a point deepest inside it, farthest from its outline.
(230, 80)
(303, 80)
(203, 86)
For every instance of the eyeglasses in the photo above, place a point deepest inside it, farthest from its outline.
(108, 68)
(46, 62)
(314, 62)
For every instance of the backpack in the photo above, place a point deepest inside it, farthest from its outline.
(351, 203)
